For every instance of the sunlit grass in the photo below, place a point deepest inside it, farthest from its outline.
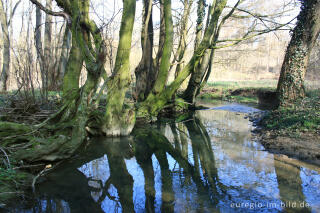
(270, 84)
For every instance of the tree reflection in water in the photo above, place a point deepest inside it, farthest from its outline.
(171, 168)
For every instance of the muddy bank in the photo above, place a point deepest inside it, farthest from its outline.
(305, 148)
(293, 131)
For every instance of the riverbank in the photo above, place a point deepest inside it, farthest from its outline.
(294, 131)
(245, 92)
(17, 176)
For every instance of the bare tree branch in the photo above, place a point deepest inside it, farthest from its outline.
(13, 12)
(53, 13)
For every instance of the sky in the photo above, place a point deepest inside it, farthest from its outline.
(104, 10)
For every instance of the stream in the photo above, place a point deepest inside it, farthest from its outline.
(210, 162)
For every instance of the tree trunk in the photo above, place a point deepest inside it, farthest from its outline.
(145, 72)
(66, 137)
(291, 82)
(201, 13)
(48, 56)
(66, 45)
(183, 36)
(199, 72)
(167, 49)
(207, 75)
(119, 119)
(162, 34)
(39, 48)
(6, 49)
(196, 78)
(155, 102)
(73, 70)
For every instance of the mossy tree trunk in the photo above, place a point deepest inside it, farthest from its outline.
(199, 72)
(156, 101)
(162, 35)
(119, 119)
(66, 131)
(145, 71)
(291, 82)
(201, 13)
(65, 53)
(167, 49)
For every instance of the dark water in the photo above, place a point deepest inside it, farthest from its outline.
(208, 163)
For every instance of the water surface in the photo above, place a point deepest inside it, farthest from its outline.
(208, 163)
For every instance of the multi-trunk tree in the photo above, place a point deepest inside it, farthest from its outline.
(79, 115)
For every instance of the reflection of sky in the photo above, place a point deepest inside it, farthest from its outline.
(239, 159)
(97, 169)
(246, 174)
(311, 187)
(157, 184)
(138, 184)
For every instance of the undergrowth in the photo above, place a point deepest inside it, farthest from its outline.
(302, 117)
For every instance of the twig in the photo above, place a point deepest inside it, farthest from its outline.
(18, 192)
(28, 166)
(35, 179)
(4, 152)
(41, 173)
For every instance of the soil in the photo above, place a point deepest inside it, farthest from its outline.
(305, 148)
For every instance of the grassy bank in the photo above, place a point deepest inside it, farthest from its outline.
(247, 92)
(294, 131)
(304, 117)
(237, 91)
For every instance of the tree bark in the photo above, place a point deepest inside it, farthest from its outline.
(167, 49)
(291, 82)
(6, 48)
(73, 70)
(201, 13)
(162, 34)
(199, 72)
(145, 72)
(155, 102)
(196, 78)
(119, 119)
(66, 46)
(48, 71)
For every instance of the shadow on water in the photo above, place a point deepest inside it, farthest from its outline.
(209, 163)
